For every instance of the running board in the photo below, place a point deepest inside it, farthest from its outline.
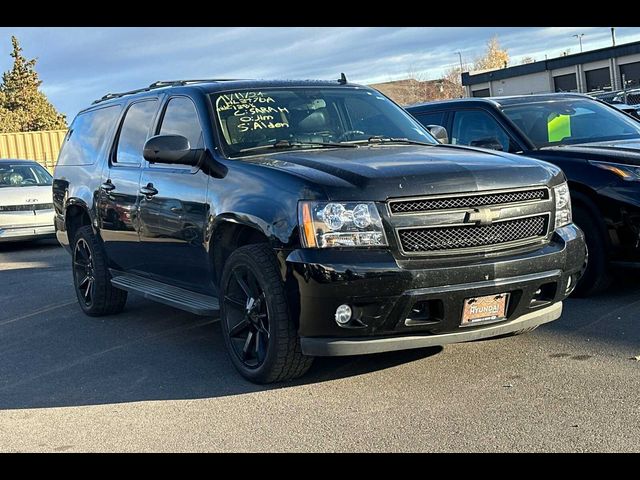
(168, 294)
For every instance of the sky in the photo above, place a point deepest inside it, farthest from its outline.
(79, 64)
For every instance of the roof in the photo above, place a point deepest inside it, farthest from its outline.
(217, 85)
(551, 64)
(17, 161)
(502, 101)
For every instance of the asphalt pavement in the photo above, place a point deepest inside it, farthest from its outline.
(157, 379)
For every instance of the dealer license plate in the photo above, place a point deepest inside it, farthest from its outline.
(485, 309)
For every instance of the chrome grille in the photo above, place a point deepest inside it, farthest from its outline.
(467, 201)
(26, 208)
(416, 240)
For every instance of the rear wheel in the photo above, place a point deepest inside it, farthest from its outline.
(259, 333)
(596, 277)
(91, 277)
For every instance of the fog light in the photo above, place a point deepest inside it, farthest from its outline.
(569, 284)
(343, 314)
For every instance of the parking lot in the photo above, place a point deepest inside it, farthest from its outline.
(157, 379)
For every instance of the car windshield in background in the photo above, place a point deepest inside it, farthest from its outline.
(305, 118)
(568, 122)
(23, 175)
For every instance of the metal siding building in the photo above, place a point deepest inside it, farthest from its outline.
(595, 70)
(42, 147)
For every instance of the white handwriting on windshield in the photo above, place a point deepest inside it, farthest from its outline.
(254, 110)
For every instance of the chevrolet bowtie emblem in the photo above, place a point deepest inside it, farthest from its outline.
(482, 216)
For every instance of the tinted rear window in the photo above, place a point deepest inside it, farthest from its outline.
(87, 136)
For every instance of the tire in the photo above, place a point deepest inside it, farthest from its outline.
(253, 303)
(91, 277)
(596, 277)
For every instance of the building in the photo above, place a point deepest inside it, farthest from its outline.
(595, 70)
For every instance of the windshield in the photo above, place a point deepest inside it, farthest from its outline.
(23, 175)
(310, 118)
(572, 121)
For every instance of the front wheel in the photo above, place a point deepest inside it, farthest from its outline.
(596, 277)
(259, 333)
(91, 277)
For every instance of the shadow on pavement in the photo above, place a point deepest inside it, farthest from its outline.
(25, 246)
(61, 357)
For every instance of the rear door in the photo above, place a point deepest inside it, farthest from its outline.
(119, 193)
(172, 220)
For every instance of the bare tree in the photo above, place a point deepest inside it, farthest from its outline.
(526, 60)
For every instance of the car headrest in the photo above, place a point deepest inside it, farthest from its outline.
(315, 121)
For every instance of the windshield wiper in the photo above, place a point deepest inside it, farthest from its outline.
(284, 144)
(380, 139)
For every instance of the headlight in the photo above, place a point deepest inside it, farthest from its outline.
(630, 173)
(563, 205)
(340, 224)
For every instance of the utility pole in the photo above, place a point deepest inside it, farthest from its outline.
(613, 36)
(461, 67)
(579, 37)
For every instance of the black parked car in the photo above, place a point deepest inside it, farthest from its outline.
(319, 217)
(597, 146)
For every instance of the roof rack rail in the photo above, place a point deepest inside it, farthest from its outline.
(175, 83)
(160, 84)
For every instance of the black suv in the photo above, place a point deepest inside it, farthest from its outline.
(316, 218)
(596, 145)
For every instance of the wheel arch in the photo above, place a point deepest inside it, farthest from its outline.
(230, 233)
(76, 215)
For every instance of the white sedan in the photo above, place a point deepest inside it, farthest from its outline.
(26, 201)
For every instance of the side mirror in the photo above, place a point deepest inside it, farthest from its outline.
(491, 143)
(439, 132)
(172, 149)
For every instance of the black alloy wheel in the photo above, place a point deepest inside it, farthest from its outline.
(83, 270)
(258, 327)
(247, 318)
(91, 276)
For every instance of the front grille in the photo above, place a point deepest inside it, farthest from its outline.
(467, 201)
(26, 208)
(415, 240)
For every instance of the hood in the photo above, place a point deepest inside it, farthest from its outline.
(615, 151)
(386, 171)
(25, 195)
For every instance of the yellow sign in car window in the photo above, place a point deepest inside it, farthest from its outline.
(558, 127)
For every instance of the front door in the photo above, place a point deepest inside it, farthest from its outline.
(119, 193)
(173, 214)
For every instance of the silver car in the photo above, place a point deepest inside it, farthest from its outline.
(26, 201)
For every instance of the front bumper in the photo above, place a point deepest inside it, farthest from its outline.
(334, 347)
(15, 234)
(384, 292)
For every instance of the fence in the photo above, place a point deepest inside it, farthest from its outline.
(633, 96)
(43, 146)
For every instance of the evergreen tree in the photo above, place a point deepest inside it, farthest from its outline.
(23, 107)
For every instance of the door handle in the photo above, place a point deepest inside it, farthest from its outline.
(149, 191)
(107, 186)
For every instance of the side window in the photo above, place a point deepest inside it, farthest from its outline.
(431, 118)
(475, 128)
(134, 132)
(87, 136)
(181, 118)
